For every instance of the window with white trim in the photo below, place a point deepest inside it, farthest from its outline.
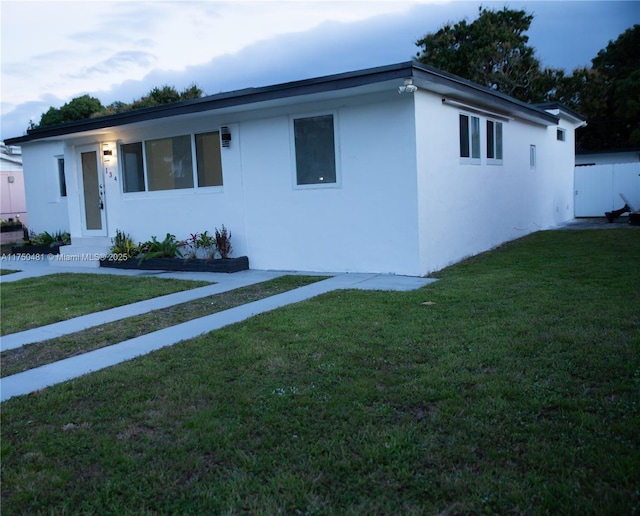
(62, 183)
(470, 138)
(132, 167)
(167, 163)
(561, 135)
(532, 156)
(315, 150)
(494, 140)
(209, 159)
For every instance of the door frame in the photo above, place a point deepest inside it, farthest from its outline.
(100, 193)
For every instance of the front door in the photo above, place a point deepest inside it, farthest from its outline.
(93, 199)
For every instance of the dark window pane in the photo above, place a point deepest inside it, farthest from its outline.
(132, 167)
(315, 150)
(169, 163)
(464, 136)
(208, 159)
(61, 179)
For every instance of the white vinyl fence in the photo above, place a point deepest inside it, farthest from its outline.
(597, 188)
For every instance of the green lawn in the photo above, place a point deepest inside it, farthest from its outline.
(34, 302)
(515, 390)
(33, 355)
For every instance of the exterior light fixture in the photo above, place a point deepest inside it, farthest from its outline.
(225, 136)
(408, 87)
(107, 152)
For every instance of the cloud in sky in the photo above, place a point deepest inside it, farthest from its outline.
(54, 51)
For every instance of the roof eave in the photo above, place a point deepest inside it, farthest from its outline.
(431, 78)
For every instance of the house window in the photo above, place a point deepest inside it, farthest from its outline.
(61, 179)
(132, 167)
(315, 151)
(494, 140)
(532, 156)
(470, 137)
(561, 135)
(208, 159)
(169, 163)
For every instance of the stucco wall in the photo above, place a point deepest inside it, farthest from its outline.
(47, 210)
(466, 209)
(366, 222)
(404, 203)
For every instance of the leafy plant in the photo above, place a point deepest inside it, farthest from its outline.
(167, 248)
(47, 239)
(191, 245)
(123, 244)
(223, 242)
(207, 243)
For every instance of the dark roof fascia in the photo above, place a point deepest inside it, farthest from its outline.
(562, 107)
(510, 103)
(280, 91)
(223, 100)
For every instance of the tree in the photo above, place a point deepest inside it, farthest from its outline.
(81, 108)
(607, 94)
(493, 51)
(78, 108)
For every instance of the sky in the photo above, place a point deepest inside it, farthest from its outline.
(54, 51)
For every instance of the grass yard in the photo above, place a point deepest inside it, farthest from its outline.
(34, 355)
(34, 302)
(514, 389)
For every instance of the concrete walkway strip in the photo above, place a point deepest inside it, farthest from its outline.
(67, 369)
(63, 370)
(52, 331)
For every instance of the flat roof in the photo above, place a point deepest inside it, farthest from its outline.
(425, 76)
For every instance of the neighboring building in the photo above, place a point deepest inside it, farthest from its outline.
(610, 157)
(399, 169)
(12, 196)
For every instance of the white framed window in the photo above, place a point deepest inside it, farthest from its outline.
(561, 135)
(469, 139)
(62, 182)
(314, 148)
(532, 157)
(132, 167)
(167, 163)
(208, 159)
(494, 141)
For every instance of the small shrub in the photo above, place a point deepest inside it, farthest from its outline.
(47, 239)
(191, 245)
(124, 245)
(167, 248)
(207, 243)
(223, 242)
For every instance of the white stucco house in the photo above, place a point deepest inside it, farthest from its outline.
(399, 169)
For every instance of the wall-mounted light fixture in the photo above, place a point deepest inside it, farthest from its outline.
(408, 87)
(11, 179)
(107, 152)
(225, 137)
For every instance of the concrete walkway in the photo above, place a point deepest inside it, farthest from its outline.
(51, 374)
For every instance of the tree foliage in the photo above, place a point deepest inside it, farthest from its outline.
(81, 108)
(608, 94)
(493, 50)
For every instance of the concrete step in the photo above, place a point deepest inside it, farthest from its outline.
(83, 252)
